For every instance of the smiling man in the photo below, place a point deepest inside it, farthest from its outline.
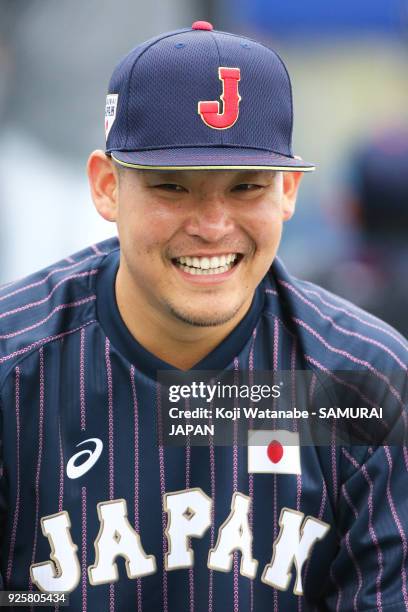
(95, 503)
(194, 247)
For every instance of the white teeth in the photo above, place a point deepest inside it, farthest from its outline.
(201, 272)
(207, 263)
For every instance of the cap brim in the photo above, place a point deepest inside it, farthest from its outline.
(209, 158)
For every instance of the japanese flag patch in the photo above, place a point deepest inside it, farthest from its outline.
(273, 452)
(110, 112)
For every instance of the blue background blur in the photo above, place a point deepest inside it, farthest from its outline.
(320, 17)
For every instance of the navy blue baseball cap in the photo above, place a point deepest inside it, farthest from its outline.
(200, 99)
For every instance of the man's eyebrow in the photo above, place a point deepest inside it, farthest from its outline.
(248, 175)
(244, 175)
(180, 174)
(161, 174)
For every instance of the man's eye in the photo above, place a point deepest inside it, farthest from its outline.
(170, 187)
(247, 187)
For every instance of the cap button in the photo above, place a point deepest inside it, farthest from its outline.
(202, 25)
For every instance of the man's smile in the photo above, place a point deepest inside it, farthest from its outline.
(208, 265)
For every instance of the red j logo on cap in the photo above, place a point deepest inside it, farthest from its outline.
(210, 110)
(273, 452)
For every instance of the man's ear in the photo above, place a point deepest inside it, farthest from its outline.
(291, 182)
(103, 181)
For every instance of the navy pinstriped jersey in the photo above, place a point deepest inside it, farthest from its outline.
(71, 372)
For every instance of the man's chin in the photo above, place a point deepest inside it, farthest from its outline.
(200, 319)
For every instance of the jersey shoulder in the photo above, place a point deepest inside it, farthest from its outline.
(52, 302)
(335, 332)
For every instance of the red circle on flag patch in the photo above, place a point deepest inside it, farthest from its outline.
(275, 451)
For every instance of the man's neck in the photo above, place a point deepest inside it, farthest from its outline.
(179, 344)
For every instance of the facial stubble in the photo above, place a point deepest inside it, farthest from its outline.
(203, 321)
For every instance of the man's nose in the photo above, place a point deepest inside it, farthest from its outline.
(210, 219)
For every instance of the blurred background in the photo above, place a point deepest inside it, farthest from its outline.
(349, 64)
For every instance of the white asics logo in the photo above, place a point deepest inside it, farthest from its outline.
(75, 471)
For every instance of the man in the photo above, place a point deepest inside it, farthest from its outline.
(199, 176)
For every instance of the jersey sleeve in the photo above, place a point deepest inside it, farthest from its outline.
(371, 566)
(2, 502)
(369, 572)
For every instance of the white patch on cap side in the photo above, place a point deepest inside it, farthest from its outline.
(110, 112)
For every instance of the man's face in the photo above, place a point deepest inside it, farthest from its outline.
(195, 245)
